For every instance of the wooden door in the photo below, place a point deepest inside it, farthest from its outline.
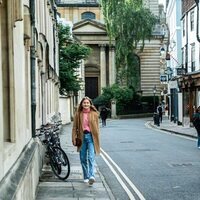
(91, 87)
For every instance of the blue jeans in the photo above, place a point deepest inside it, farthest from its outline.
(87, 155)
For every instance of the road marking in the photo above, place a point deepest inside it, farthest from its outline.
(118, 178)
(106, 157)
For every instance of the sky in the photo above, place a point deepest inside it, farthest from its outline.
(162, 2)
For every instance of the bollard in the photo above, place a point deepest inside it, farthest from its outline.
(156, 119)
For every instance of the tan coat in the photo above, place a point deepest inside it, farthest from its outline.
(93, 119)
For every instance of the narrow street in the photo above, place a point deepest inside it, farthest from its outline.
(132, 59)
(136, 162)
(159, 165)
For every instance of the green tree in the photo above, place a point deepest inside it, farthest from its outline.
(70, 55)
(122, 95)
(128, 23)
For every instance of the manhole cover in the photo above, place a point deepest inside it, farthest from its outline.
(145, 150)
(124, 142)
(180, 164)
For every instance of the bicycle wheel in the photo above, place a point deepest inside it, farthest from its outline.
(59, 163)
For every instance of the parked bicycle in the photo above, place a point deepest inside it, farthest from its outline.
(58, 160)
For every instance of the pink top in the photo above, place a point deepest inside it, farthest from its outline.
(85, 120)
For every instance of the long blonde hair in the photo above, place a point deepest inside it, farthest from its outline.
(80, 107)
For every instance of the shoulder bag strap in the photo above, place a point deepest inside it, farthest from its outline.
(78, 125)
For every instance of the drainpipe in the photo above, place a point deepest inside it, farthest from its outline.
(54, 37)
(32, 57)
(56, 65)
(197, 3)
(186, 30)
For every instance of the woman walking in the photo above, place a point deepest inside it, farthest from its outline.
(86, 128)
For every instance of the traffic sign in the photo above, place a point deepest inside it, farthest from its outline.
(163, 78)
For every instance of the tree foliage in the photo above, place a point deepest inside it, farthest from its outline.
(127, 100)
(128, 22)
(122, 95)
(70, 55)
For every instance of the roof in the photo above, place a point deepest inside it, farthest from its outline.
(89, 26)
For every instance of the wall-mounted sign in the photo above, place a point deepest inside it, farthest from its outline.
(180, 71)
(163, 78)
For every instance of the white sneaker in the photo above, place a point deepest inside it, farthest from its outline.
(91, 180)
(86, 180)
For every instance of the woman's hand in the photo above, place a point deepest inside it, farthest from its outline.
(74, 142)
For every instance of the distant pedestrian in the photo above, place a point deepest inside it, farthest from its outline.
(160, 112)
(86, 128)
(196, 123)
(104, 115)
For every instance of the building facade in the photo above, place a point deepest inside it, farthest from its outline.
(174, 62)
(100, 69)
(190, 81)
(185, 91)
(28, 91)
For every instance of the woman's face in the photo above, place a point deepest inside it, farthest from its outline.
(86, 104)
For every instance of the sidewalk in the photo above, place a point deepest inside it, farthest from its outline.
(172, 127)
(51, 188)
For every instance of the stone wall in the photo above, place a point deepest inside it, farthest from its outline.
(21, 180)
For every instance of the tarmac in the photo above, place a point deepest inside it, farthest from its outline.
(173, 128)
(51, 188)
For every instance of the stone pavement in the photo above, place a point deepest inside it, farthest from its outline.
(172, 127)
(51, 188)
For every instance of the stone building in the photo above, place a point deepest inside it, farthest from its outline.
(100, 70)
(28, 90)
(173, 16)
(189, 81)
(183, 21)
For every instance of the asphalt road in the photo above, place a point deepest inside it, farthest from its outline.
(159, 165)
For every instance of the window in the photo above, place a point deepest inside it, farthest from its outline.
(183, 58)
(6, 84)
(91, 1)
(186, 58)
(183, 27)
(193, 57)
(88, 15)
(192, 20)
(199, 53)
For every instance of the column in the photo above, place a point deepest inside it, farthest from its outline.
(112, 71)
(113, 65)
(103, 65)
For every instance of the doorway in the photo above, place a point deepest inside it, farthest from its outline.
(91, 87)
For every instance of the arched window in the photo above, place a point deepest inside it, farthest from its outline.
(88, 15)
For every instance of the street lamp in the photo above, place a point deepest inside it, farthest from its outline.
(154, 93)
(162, 52)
